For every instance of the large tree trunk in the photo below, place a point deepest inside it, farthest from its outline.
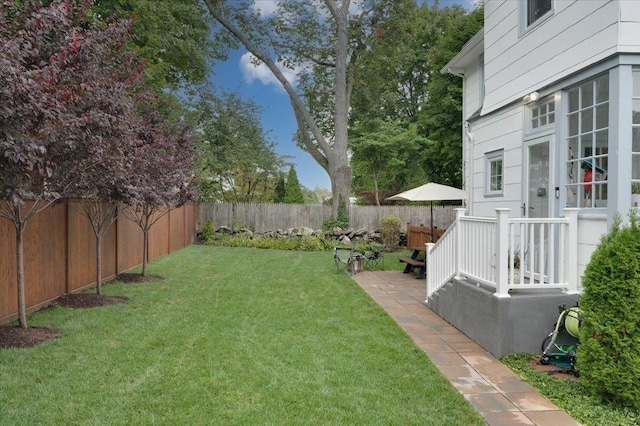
(341, 187)
(341, 174)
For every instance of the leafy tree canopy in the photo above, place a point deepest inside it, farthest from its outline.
(385, 158)
(441, 119)
(237, 162)
(398, 81)
(172, 35)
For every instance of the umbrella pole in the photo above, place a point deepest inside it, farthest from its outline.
(432, 222)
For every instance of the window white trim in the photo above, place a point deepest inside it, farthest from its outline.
(494, 173)
(523, 7)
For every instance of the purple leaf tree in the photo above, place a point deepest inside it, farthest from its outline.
(164, 158)
(103, 164)
(49, 68)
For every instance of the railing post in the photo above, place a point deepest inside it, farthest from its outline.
(459, 240)
(429, 273)
(571, 247)
(502, 247)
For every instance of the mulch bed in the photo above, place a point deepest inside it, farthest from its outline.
(137, 278)
(16, 337)
(83, 301)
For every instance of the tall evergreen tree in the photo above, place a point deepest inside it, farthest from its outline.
(279, 190)
(292, 191)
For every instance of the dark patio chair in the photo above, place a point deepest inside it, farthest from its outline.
(343, 257)
(374, 258)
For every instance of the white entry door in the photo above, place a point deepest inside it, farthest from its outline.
(538, 196)
(538, 192)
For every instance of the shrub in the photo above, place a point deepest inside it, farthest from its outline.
(609, 351)
(342, 220)
(343, 214)
(390, 230)
(329, 224)
(310, 243)
(208, 232)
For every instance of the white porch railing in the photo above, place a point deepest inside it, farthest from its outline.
(506, 254)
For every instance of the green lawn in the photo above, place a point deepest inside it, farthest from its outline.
(231, 336)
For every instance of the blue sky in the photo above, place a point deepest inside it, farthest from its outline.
(257, 84)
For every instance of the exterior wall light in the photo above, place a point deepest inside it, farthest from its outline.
(531, 97)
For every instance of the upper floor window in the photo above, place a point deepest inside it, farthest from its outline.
(536, 9)
(588, 143)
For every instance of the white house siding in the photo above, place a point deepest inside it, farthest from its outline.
(472, 89)
(502, 130)
(629, 26)
(518, 63)
(590, 230)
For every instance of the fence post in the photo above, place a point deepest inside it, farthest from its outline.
(429, 275)
(571, 247)
(502, 247)
(459, 241)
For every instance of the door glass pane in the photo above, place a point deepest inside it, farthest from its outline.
(538, 185)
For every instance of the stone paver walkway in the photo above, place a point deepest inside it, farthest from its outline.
(492, 388)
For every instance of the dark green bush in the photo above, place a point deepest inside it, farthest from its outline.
(390, 230)
(208, 232)
(609, 351)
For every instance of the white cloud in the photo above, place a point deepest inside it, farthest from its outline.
(263, 74)
(265, 7)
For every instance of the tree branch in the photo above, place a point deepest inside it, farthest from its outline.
(293, 96)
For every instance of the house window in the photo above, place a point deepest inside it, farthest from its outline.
(536, 9)
(543, 114)
(588, 143)
(635, 141)
(494, 172)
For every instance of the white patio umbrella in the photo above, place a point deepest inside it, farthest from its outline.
(431, 192)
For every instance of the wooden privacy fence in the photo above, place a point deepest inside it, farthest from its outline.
(269, 217)
(418, 235)
(60, 252)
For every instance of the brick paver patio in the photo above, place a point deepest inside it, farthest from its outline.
(492, 388)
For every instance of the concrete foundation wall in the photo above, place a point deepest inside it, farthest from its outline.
(500, 325)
